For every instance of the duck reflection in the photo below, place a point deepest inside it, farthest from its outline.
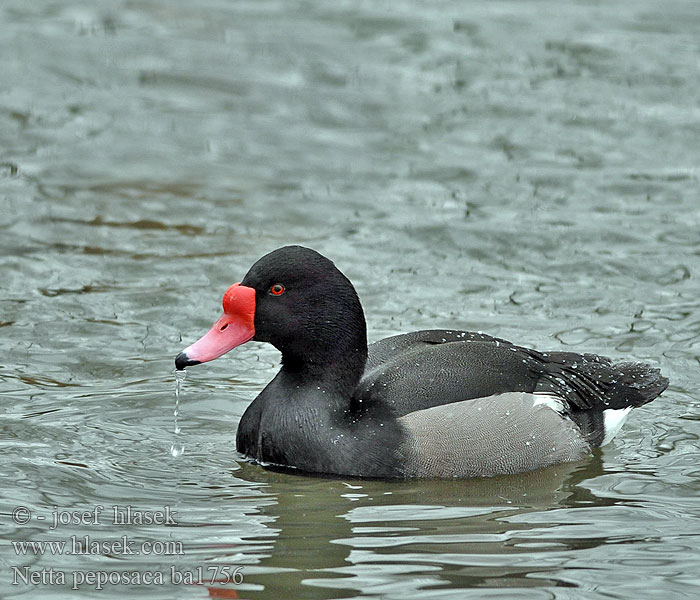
(374, 536)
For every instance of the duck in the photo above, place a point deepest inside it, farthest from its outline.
(426, 404)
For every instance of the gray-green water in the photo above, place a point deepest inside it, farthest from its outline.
(529, 169)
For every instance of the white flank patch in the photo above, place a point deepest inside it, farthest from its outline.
(549, 400)
(613, 420)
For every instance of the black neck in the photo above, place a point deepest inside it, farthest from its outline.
(337, 364)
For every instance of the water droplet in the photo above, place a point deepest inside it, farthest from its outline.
(177, 449)
(180, 377)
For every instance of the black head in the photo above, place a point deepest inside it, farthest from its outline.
(309, 310)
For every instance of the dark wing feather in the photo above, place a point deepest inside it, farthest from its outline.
(431, 368)
(587, 381)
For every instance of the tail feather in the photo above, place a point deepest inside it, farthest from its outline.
(589, 380)
(646, 380)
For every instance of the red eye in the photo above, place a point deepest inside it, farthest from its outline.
(277, 289)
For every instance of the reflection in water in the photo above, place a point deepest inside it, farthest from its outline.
(413, 535)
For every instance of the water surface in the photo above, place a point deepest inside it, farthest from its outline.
(529, 169)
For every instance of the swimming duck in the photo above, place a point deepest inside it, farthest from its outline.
(433, 403)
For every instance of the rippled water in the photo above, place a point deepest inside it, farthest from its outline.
(529, 169)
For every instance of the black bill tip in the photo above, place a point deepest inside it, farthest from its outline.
(182, 361)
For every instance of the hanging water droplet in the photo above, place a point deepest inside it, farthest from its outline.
(180, 377)
(176, 448)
